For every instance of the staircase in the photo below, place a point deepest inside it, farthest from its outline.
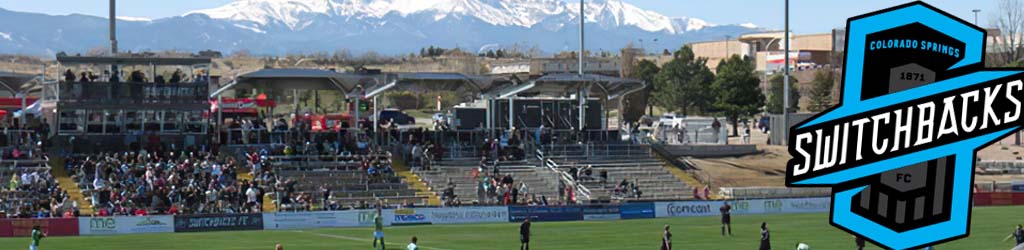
(402, 170)
(267, 205)
(65, 182)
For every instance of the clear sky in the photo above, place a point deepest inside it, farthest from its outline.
(806, 16)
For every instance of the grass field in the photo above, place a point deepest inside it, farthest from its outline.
(990, 226)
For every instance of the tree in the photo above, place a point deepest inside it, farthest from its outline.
(821, 91)
(775, 100)
(1009, 20)
(684, 83)
(665, 52)
(646, 71)
(739, 90)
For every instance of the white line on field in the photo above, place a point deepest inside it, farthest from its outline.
(357, 239)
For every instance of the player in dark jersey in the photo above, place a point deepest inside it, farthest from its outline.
(666, 239)
(524, 234)
(1017, 235)
(766, 238)
(726, 218)
(860, 242)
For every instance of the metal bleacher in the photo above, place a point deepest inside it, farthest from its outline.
(543, 172)
(348, 182)
(11, 199)
(459, 171)
(633, 162)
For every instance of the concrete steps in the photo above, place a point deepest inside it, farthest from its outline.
(64, 180)
(413, 180)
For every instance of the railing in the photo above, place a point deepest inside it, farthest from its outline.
(133, 93)
(582, 192)
(595, 150)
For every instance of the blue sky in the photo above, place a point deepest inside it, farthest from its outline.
(806, 16)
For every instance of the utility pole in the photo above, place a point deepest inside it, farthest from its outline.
(727, 37)
(976, 16)
(785, 84)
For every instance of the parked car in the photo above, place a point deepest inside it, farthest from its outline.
(397, 116)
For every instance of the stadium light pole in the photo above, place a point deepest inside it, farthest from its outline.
(785, 82)
(976, 15)
(582, 89)
(113, 35)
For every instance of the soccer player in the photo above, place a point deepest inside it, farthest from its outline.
(726, 218)
(1018, 235)
(524, 234)
(860, 242)
(378, 228)
(802, 246)
(37, 235)
(766, 237)
(666, 239)
(412, 244)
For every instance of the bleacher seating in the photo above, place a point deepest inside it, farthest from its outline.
(346, 178)
(539, 182)
(634, 163)
(24, 200)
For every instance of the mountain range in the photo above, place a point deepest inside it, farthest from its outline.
(384, 26)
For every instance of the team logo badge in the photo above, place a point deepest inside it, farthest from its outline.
(899, 150)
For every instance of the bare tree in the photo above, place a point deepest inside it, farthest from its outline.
(1010, 22)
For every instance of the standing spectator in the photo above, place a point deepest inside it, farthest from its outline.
(417, 155)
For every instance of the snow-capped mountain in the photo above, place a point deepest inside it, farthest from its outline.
(386, 26)
(297, 14)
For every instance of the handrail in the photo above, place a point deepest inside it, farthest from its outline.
(581, 191)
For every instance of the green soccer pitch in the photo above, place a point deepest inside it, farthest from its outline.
(990, 225)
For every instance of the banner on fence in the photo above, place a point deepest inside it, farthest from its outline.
(301, 220)
(125, 225)
(407, 216)
(540, 213)
(755, 206)
(601, 212)
(637, 210)
(52, 227)
(466, 215)
(217, 222)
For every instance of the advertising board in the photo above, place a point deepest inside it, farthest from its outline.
(125, 224)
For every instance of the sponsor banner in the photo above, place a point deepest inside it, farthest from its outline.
(51, 226)
(686, 208)
(1017, 186)
(519, 213)
(125, 225)
(465, 215)
(636, 210)
(755, 206)
(407, 216)
(599, 212)
(302, 220)
(217, 222)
